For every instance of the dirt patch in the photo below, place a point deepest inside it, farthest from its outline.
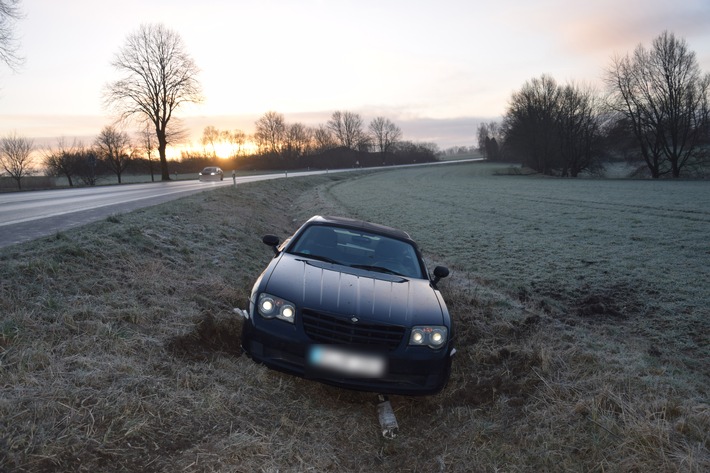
(210, 337)
(608, 303)
(599, 306)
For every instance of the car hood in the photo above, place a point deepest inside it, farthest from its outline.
(349, 291)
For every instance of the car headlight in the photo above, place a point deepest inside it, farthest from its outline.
(274, 307)
(433, 336)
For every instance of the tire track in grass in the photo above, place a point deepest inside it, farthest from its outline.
(673, 213)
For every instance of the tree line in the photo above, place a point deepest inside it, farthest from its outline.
(274, 136)
(342, 142)
(291, 142)
(654, 109)
(110, 153)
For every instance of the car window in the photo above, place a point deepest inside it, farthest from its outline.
(359, 249)
(319, 241)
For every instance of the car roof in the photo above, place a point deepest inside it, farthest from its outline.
(362, 225)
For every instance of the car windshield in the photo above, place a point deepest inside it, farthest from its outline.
(358, 249)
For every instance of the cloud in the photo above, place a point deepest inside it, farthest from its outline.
(633, 23)
(45, 130)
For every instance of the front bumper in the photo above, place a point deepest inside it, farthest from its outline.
(409, 370)
(211, 177)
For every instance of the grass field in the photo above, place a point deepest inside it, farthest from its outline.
(582, 332)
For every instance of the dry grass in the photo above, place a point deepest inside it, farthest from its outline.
(119, 348)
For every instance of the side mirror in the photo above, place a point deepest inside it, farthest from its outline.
(273, 241)
(440, 272)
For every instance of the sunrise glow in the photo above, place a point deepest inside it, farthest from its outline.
(434, 68)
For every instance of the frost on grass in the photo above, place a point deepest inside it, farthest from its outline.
(614, 274)
(581, 333)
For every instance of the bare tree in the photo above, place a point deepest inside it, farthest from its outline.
(554, 129)
(16, 157)
(298, 140)
(530, 123)
(270, 132)
(158, 77)
(628, 104)
(89, 166)
(385, 133)
(237, 139)
(113, 146)
(579, 129)
(147, 137)
(64, 160)
(324, 139)
(663, 95)
(211, 136)
(347, 129)
(9, 13)
(490, 139)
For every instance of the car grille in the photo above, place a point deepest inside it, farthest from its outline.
(325, 328)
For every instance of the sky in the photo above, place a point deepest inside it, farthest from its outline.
(436, 68)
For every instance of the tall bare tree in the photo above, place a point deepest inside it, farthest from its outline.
(579, 129)
(113, 146)
(16, 157)
(554, 129)
(662, 93)
(270, 132)
(530, 123)
(347, 129)
(158, 77)
(9, 13)
(385, 133)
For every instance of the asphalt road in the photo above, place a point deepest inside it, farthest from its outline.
(25, 216)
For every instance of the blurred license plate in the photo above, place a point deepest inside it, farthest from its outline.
(341, 361)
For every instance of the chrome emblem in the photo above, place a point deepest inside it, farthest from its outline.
(354, 320)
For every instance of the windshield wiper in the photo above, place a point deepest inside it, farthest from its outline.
(378, 269)
(317, 257)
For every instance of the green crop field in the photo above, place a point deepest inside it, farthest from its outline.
(582, 332)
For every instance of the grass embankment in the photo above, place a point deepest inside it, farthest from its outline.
(583, 345)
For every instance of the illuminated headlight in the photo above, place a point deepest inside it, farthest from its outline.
(433, 336)
(274, 307)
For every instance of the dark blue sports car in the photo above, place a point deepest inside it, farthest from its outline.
(350, 303)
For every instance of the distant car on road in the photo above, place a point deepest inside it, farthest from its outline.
(351, 303)
(212, 173)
